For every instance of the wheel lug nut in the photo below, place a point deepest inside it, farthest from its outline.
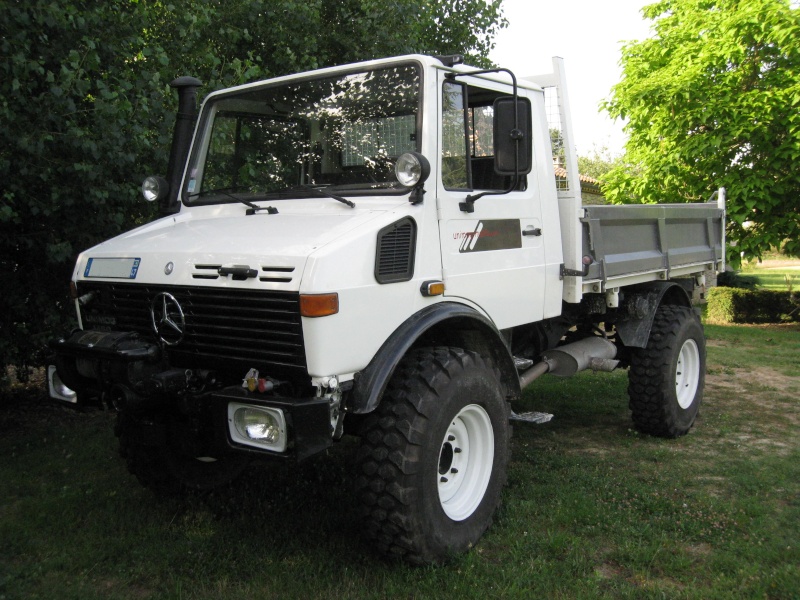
(456, 450)
(454, 470)
(451, 438)
(443, 479)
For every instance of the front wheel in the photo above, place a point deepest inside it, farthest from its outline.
(433, 459)
(666, 378)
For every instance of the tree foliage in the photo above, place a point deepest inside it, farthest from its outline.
(713, 99)
(87, 110)
(599, 163)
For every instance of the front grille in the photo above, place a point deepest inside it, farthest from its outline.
(225, 328)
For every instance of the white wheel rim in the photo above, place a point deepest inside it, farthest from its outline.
(465, 462)
(687, 373)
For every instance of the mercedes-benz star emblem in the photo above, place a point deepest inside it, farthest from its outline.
(167, 319)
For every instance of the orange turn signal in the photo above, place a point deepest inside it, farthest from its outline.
(319, 305)
(432, 288)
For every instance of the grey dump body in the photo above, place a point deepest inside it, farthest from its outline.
(629, 244)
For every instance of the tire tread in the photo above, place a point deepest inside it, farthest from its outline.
(391, 450)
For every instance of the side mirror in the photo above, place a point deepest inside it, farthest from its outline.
(512, 136)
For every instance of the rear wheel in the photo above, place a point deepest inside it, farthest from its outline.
(433, 459)
(666, 377)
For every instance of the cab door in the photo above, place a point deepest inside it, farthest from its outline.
(494, 256)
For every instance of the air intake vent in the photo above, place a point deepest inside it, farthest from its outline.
(276, 274)
(206, 272)
(394, 260)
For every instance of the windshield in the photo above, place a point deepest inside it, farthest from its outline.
(341, 132)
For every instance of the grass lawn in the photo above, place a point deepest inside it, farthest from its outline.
(592, 508)
(774, 273)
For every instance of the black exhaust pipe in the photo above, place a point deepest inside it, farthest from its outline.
(181, 139)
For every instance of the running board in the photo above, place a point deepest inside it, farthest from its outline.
(522, 364)
(530, 417)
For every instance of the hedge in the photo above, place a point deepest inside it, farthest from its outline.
(739, 305)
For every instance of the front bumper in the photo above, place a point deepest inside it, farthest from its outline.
(181, 408)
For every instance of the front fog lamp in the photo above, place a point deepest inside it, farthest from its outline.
(154, 188)
(59, 391)
(411, 169)
(260, 426)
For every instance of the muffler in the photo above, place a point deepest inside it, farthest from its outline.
(596, 353)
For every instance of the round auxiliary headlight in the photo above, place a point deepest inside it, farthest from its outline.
(411, 168)
(155, 188)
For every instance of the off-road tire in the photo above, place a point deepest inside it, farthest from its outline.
(165, 471)
(414, 508)
(666, 378)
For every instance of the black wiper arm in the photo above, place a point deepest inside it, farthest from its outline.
(323, 192)
(254, 208)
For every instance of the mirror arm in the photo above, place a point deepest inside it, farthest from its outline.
(468, 204)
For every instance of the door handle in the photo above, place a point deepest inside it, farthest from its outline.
(536, 231)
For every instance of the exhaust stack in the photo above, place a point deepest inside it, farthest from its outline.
(181, 139)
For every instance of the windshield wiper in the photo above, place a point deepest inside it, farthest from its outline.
(254, 208)
(322, 192)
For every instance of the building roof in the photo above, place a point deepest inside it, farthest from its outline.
(588, 184)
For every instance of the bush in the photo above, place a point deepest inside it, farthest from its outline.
(740, 305)
(735, 279)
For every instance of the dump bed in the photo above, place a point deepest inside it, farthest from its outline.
(630, 244)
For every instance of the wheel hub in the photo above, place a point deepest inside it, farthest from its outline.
(687, 373)
(465, 462)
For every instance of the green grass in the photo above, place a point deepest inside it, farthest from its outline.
(782, 277)
(592, 508)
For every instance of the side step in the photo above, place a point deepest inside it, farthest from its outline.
(522, 364)
(530, 417)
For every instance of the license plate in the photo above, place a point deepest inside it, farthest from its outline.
(116, 268)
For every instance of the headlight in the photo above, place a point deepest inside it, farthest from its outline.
(411, 169)
(155, 188)
(59, 391)
(257, 426)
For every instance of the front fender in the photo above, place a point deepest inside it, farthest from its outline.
(445, 323)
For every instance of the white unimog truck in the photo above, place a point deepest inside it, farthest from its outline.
(380, 249)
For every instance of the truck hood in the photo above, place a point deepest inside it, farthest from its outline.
(190, 247)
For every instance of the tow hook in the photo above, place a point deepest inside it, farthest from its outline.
(330, 389)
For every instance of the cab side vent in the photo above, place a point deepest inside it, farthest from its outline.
(394, 260)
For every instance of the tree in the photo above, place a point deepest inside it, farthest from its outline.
(713, 99)
(599, 163)
(87, 111)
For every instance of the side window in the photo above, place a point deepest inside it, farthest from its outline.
(454, 137)
(481, 133)
(468, 139)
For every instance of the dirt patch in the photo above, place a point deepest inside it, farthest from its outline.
(756, 407)
(607, 571)
(739, 379)
(772, 379)
(699, 549)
